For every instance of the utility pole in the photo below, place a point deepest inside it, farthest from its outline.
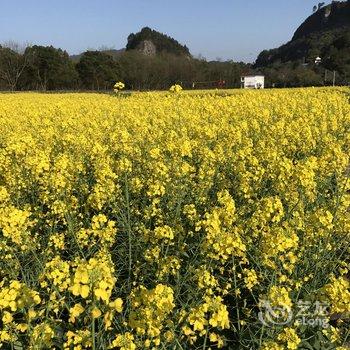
(334, 78)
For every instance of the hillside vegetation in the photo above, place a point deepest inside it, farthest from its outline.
(325, 34)
(162, 42)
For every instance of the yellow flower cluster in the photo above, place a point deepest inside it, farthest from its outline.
(279, 297)
(211, 314)
(78, 340)
(223, 238)
(287, 340)
(124, 342)
(41, 336)
(151, 312)
(119, 86)
(57, 272)
(338, 294)
(17, 296)
(15, 224)
(175, 88)
(102, 232)
(164, 220)
(94, 278)
(17, 303)
(250, 278)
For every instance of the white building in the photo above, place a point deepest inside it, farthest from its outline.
(253, 81)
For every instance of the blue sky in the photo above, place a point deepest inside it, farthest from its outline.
(226, 29)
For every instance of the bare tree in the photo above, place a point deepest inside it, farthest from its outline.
(106, 48)
(13, 61)
(15, 46)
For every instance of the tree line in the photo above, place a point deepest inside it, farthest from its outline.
(46, 68)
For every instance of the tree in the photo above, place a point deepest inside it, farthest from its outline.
(320, 5)
(97, 70)
(49, 69)
(12, 65)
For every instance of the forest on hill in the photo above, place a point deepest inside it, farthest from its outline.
(324, 35)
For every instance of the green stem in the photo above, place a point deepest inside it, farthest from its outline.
(129, 230)
(261, 335)
(206, 338)
(93, 334)
(235, 284)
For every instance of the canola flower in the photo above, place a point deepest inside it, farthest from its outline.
(176, 88)
(118, 86)
(160, 221)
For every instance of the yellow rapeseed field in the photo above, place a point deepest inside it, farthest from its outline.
(175, 220)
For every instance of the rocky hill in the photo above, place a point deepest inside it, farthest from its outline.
(326, 33)
(151, 42)
(332, 17)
